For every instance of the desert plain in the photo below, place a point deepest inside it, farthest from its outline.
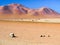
(29, 33)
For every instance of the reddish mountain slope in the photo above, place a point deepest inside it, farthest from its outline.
(13, 9)
(18, 9)
(45, 10)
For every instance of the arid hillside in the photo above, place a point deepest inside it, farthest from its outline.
(20, 11)
(29, 33)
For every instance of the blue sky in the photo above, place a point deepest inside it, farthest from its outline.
(53, 4)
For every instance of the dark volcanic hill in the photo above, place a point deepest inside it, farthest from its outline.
(13, 9)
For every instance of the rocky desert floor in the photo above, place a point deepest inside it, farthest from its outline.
(29, 33)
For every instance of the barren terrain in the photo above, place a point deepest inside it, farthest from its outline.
(28, 33)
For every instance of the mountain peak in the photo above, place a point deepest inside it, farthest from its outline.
(15, 4)
(13, 9)
(45, 10)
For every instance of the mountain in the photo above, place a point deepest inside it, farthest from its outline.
(16, 10)
(13, 9)
(48, 11)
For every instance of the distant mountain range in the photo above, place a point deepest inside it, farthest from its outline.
(20, 11)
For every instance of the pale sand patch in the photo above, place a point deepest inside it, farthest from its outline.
(29, 33)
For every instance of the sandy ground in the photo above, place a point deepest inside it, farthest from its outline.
(29, 33)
